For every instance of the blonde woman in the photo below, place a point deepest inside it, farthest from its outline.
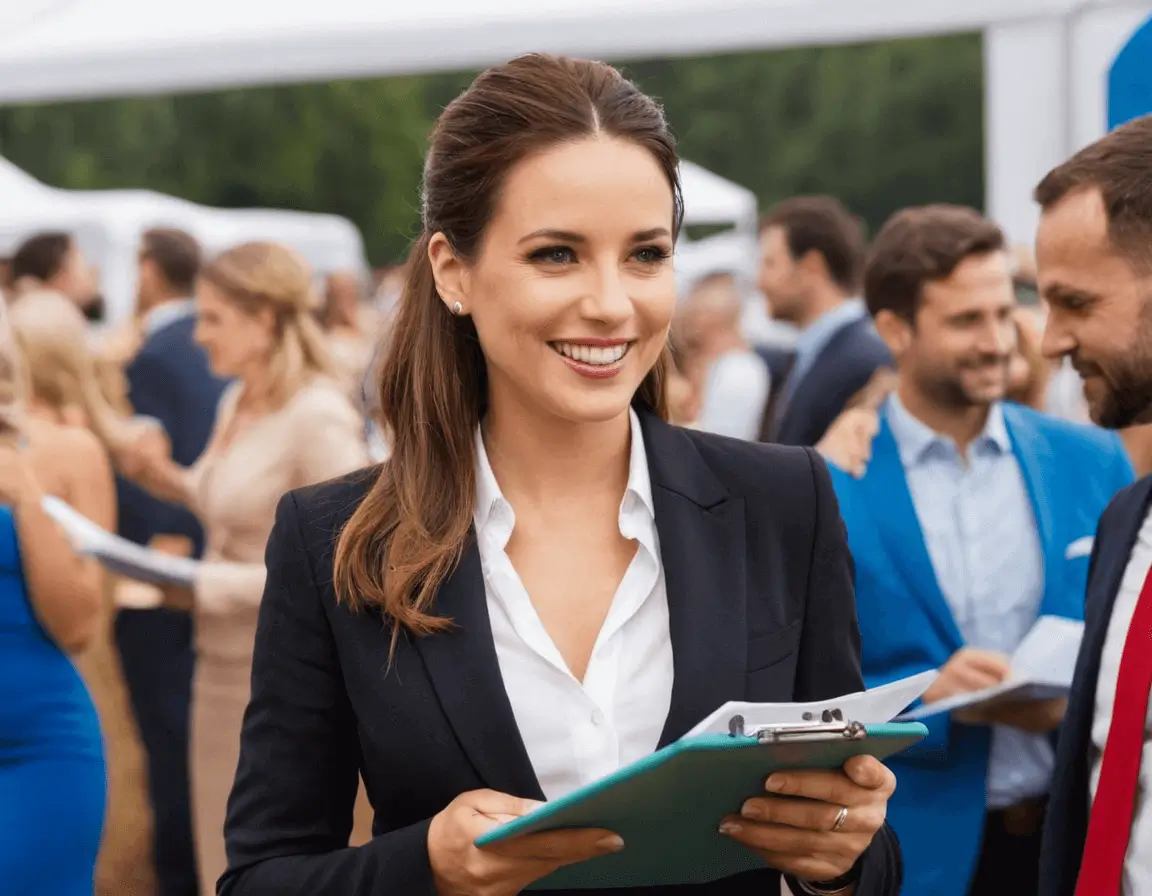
(64, 372)
(283, 423)
(52, 773)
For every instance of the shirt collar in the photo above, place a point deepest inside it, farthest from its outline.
(489, 496)
(816, 335)
(915, 439)
(167, 313)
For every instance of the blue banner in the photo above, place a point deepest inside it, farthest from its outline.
(1130, 79)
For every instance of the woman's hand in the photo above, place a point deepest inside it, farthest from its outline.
(802, 830)
(144, 454)
(848, 442)
(459, 868)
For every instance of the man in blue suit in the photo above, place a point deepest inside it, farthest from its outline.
(168, 380)
(1094, 261)
(971, 520)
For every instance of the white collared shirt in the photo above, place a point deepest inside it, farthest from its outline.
(576, 732)
(1138, 862)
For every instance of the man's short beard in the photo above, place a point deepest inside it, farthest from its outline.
(1128, 400)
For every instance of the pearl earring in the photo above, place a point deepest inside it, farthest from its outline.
(457, 308)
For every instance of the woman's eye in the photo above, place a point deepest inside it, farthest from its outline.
(651, 255)
(554, 255)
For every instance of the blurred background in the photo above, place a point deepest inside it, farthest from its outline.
(305, 124)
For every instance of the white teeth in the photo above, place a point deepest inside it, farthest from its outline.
(592, 354)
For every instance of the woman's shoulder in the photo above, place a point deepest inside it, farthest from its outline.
(68, 446)
(63, 455)
(758, 470)
(321, 510)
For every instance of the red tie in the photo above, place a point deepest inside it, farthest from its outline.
(1110, 824)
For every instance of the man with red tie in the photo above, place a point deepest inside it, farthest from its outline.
(1094, 255)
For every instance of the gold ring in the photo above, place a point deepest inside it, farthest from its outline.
(840, 819)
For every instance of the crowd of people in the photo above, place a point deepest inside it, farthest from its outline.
(542, 580)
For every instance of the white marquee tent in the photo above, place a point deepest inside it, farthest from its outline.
(108, 224)
(1046, 59)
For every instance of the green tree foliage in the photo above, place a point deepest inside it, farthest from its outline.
(880, 125)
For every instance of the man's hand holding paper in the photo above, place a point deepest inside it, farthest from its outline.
(1025, 692)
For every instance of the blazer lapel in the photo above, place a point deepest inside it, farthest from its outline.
(887, 496)
(1069, 823)
(1034, 455)
(701, 529)
(465, 672)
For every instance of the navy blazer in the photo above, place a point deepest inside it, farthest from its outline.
(761, 608)
(169, 379)
(1066, 826)
(841, 369)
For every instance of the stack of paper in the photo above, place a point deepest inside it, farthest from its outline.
(118, 554)
(1041, 669)
(871, 707)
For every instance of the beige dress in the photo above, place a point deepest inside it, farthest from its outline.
(235, 489)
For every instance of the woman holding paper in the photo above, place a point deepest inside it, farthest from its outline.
(545, 581)
(285, 422)
(52, 779)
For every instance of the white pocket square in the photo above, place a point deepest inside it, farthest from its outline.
(1081, 547)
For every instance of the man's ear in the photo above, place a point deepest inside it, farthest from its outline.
(896, 332)
(449, 272)
(813, 265)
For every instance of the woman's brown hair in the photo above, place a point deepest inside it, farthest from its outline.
(407, 535)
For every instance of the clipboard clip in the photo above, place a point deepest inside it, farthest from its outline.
(830, 727)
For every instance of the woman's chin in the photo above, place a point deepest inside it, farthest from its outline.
(599, 406)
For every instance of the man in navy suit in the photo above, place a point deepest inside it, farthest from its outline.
(1094, 255)
(812, 259)
(168, 380)
(969, 523)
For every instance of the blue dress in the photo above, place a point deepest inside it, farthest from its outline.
(52, 773)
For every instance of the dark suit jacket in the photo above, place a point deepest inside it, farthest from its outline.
(842, 369)
(1066, 827)
(761, 607)
(169, 379)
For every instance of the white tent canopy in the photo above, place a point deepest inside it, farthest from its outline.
(108, 224)
(1046, 60)
(710, 199)
(96, 48)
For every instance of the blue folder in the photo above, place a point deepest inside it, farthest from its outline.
(668, 806)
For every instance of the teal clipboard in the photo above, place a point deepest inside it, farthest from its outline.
(668, 806)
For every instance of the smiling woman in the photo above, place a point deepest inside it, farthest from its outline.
(545, 581)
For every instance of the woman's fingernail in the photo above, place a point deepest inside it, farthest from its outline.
(750, 812)
(615, 843)
(774, 782)
(730, 827)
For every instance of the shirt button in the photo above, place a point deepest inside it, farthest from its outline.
(597, 717)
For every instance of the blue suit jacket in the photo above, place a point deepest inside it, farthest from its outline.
(169, 379)
(1071, 472)
(1067, 824)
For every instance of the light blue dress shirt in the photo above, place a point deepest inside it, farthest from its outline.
(168, 313)
(979, 528)
(812, 340)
